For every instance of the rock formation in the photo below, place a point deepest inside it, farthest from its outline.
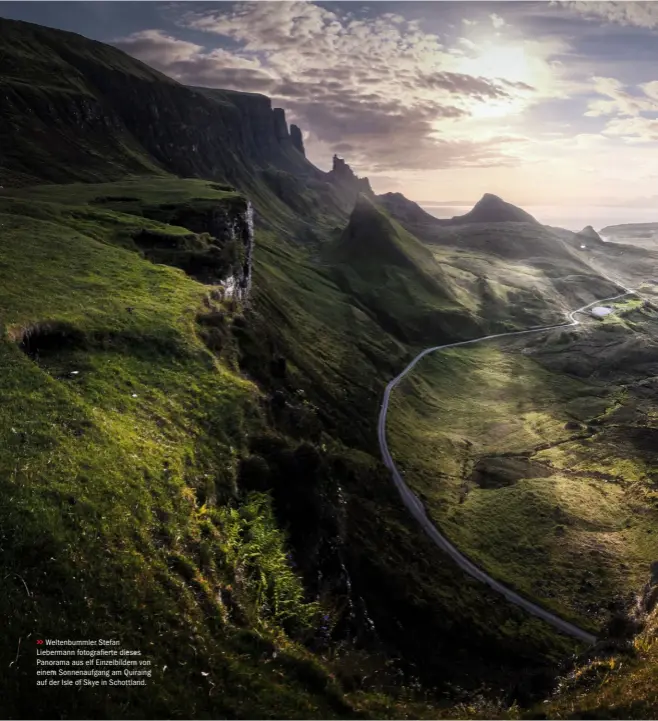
(342, 174)
(280, 124)
(297, 140)
(346, 184)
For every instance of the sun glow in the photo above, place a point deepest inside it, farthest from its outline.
(501, 62)
(509, 66)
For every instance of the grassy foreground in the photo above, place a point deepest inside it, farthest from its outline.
(121, 439)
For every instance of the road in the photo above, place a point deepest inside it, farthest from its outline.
(417, 510)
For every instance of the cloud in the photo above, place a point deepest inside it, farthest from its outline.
(638, 14)
(382, 86)
(469, 85)
(634, 116)
(191, 64)
(620, 101)
(634, 130)
(651, 89)
(496, 21)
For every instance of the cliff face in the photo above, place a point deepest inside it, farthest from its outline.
(297, 140)
(227, 254)
(85, 97)
(77, 110)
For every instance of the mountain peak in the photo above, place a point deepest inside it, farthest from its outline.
(588, 233)
(492, 209)
(370, 237)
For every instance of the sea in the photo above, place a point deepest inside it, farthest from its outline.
(571, 218)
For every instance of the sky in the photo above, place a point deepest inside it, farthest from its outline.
(551, 105)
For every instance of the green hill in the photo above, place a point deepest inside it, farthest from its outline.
(396, 278)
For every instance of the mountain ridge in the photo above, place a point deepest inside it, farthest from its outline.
(489, 209)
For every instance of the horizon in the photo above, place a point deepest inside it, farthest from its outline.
(561, 216)
(546, 104)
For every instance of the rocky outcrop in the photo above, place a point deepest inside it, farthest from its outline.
(648, 600)
(347, 185)
(219, 249)
(280, 125)
(297, 140)
(342, 173)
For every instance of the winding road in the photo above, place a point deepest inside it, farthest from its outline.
(417, 510)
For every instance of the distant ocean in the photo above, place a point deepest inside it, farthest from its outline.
(565, 217)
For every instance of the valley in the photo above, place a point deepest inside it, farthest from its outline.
(543, 498)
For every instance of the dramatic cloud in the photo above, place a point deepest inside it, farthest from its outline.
(468, 85)
(635, 114)
(457, 103)
(191, 64)
(384, 86)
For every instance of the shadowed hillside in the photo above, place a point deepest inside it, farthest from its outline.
(396, 278)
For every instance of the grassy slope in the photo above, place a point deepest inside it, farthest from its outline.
(464, 282)
(138, 452)
(341, 360)
(119, 483)
(565, 514)
(396, 278)
(618, 686)
(46, 97)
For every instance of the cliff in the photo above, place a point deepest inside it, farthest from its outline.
(297, 140)
(77, 110)
(98, 98)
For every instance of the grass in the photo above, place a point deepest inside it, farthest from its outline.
(125, 439)
(524, 468)
(118, 465)
(127, 512)
(133, 192)
(619, 686)
(406, 291)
